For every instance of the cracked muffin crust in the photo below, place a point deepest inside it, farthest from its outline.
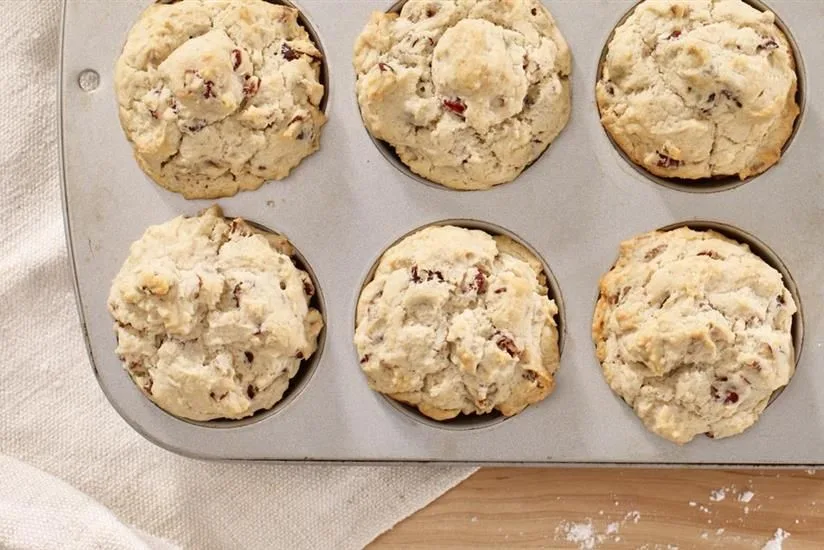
(212, 316)
(456, 321)
(468, 92)
(693, 331)
(218, 96)
(698, 89)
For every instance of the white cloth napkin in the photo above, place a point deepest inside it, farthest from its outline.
(40, 511)
(54, 417)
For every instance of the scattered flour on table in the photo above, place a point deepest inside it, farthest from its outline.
(810, 472)
(718, 495)
(743, 496)
(588, 536)
(777, 542)
(583, 534)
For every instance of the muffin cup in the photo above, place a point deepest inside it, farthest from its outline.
(494, 418)
(719, 183)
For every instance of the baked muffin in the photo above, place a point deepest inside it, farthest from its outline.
(698, 89)
(456, 321)
(218, 96)
(693, 331)
(468, 92)
(212, 317)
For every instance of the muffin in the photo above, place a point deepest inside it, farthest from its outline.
(212, 317)
(219, 96)
(467, 92)
(693, 331)
(456, 321)
(697, 89)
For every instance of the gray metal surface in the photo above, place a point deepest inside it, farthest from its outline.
(346, 203)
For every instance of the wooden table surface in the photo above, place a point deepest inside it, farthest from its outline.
(621, 508)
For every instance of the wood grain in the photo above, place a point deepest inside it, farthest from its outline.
(538, 508)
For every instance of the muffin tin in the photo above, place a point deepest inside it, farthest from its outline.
(343, 206)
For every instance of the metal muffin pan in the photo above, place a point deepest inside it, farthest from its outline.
(343, 206)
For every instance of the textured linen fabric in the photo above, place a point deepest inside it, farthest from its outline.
(54, 417)
(40, 511)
